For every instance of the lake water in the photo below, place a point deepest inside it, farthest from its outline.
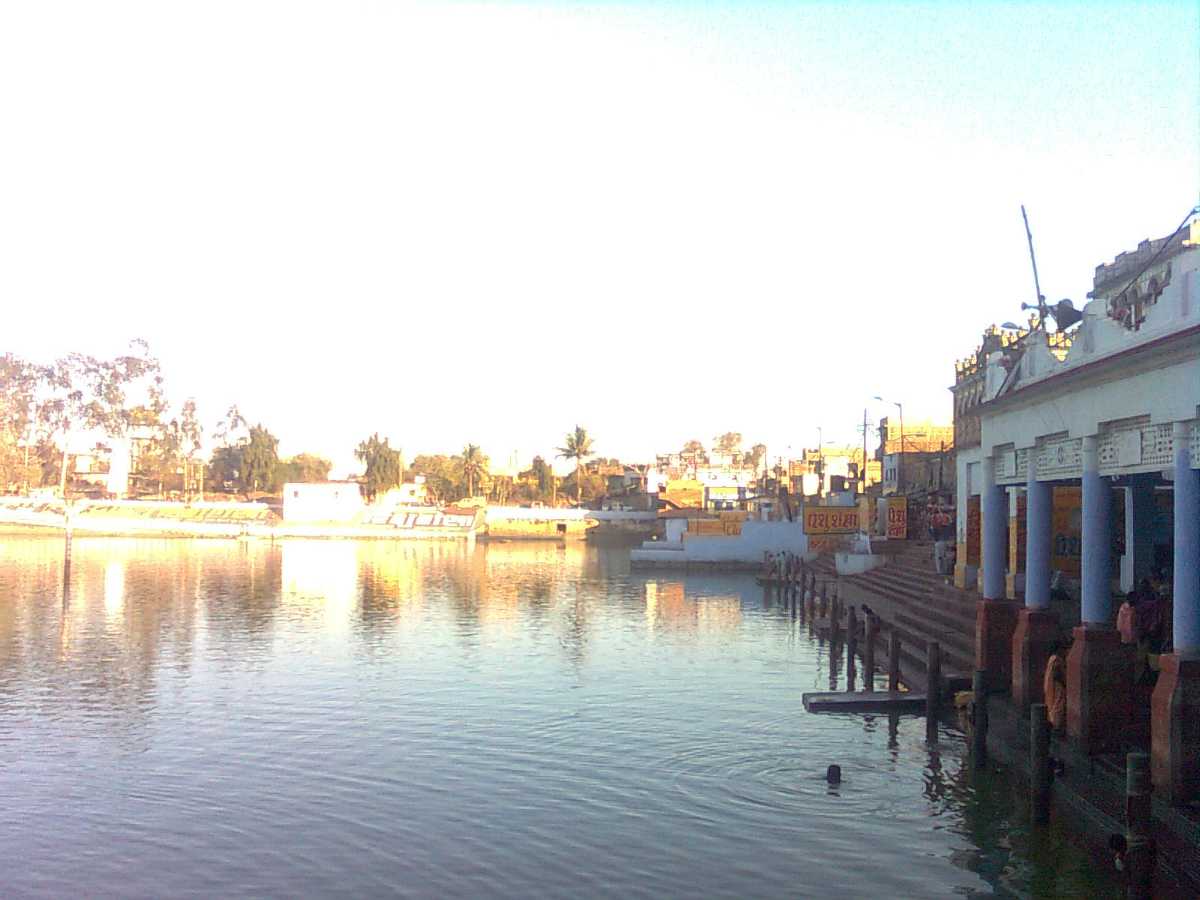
(435, 720)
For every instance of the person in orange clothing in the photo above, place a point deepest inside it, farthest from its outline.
(1054, 688)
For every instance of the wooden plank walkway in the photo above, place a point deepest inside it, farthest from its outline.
(864, 701)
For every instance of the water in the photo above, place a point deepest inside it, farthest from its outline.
(431, 720)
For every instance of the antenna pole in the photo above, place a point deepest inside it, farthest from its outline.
(1041, 301)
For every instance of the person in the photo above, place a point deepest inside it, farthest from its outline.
(1127, 619)
(1054, 687)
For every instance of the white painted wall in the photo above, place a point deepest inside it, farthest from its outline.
(748, 547)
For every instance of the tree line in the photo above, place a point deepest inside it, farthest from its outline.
(47, 408)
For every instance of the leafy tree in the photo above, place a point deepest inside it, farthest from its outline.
(260, 458)
(544, 474)
(383, 468)
(757, 452)
(190, 433)
(225, 467)
(19, 384)
(304, 468)
(728, 442)
(442, 476)
(578, 446)
(474, 467)
(85, 392)
(162, 458)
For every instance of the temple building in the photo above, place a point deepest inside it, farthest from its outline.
(1079, 467)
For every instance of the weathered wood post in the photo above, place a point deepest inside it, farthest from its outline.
(933, 675)
(851, 645)
(872, 629)
(980, 725)
(1139, 843)
(894, 661)
(1039, 764)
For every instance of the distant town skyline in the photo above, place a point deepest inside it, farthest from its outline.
(455, 223)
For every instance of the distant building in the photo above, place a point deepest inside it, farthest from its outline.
(326, 501)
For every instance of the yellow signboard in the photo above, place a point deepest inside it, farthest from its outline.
(831, 520)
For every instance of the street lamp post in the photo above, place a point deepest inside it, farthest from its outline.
(900, 462)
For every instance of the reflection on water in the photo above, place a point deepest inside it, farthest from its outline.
(440, 719)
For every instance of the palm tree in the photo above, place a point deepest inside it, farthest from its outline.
(578, 447)
(474, 463)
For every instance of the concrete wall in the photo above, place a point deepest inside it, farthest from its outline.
(747, 548)
(332, 501)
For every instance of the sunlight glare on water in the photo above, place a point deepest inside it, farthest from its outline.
(435, 719)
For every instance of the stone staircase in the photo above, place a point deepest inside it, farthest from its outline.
(918, 605)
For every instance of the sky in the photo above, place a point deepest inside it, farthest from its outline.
(487, 223)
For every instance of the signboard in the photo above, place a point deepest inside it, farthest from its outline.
(1067, 530)
(897, 518)
(831, 520)
(973, 526)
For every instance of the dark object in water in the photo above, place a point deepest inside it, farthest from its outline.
(834, 774)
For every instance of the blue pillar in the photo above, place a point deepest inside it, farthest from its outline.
(994, 507)
(1097, 540)
(1039, 502)
(1186, 621)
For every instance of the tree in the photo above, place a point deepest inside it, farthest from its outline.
(84, 392)
(728, 442)
(474, 467)
(757, 452)
(382, 467)
(260, 458)
(19, 385)
(190, 431)
(578, 447)
(303, 468)
(441, 474)
(693, 446)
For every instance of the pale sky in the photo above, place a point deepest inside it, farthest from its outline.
(453, 222)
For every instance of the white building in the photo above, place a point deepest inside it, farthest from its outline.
(1115, 420)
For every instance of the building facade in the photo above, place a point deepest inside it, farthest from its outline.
(1100, 442)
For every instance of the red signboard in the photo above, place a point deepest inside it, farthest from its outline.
(897, 518)
(831, 520)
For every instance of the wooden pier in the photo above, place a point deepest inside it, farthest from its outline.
(864, 702)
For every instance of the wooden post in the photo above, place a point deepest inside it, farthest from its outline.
(980, 725)
(933, 676)
(1139, 851)
(851, 645)
(894, 661)
(872, 629)
(1039, 764)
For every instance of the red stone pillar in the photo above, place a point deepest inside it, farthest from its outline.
(995, 623)
(1099, 689)
(1033, 641)
(1175, 729)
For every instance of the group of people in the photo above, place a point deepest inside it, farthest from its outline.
(784, 567)
(1143, 618)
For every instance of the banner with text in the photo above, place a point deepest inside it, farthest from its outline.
(831, 520)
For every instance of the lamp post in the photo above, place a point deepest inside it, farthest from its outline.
(900, 462)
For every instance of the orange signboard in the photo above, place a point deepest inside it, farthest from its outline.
(831, 520)
(897, 518)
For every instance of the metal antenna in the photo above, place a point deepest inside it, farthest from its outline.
(1041, 301)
